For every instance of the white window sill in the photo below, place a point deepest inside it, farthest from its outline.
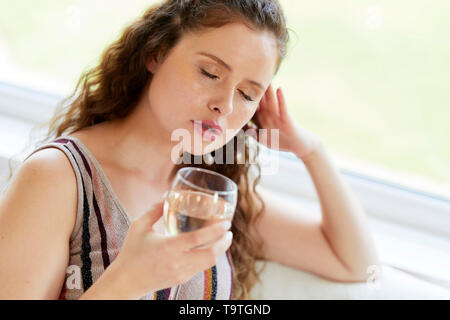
(281, 282)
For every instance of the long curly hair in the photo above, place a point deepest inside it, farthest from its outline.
(111, 90)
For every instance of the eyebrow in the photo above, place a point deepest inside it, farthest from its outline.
(221, 62)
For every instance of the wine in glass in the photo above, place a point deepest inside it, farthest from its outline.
(198, 198)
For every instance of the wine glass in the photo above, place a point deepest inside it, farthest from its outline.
(198, 198)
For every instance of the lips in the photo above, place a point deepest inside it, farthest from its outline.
(208, 129)
(212, 125)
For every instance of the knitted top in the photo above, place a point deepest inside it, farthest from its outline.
(100, 229)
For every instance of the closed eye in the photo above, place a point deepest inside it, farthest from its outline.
(246, 96)
(211, 76)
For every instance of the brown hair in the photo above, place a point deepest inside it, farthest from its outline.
(111, 91)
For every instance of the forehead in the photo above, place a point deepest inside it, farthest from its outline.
(253, 52)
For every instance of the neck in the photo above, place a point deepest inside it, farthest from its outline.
(142, 148)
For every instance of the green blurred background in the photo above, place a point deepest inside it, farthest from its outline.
(370, 78)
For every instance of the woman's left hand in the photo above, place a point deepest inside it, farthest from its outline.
(272, 113)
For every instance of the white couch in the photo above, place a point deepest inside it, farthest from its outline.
(282, 282)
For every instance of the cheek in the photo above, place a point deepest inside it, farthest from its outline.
(171, 96)
(242, 116)
(186, 96)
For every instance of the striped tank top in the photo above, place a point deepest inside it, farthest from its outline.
(100, 229)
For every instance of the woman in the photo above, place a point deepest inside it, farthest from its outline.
(96, 186)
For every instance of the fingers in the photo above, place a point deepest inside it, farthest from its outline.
(271, 100)
(262, 102)
(155, 213)
(207, 257)
(281, 103)
(189, 240)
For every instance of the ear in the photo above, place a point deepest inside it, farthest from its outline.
(152, 64)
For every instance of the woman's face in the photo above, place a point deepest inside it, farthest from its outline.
(218, 75)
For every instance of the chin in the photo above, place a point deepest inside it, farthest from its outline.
(204, 149)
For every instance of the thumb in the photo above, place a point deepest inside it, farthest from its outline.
(155, 213)
(149, 218)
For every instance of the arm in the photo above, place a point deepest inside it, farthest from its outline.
(344, 222)
(112, 285)
(338, 246)
(37, 216)
(292, 236)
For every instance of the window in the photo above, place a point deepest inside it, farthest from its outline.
(369, 78)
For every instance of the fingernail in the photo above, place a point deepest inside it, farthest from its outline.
(230, 235)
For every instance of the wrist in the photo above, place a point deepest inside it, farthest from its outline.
(112, 285)
(314, 153)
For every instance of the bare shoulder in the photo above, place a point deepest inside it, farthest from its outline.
(45, 182)
(51, 160)
(51, 169)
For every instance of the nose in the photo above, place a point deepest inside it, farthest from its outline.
(224, 107)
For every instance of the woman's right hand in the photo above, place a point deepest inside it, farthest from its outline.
(149, 261)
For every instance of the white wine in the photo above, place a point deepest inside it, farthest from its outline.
(189, 210)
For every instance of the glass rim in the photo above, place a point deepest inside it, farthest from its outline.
(234, 185)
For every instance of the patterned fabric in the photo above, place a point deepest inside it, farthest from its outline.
(100, 229)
